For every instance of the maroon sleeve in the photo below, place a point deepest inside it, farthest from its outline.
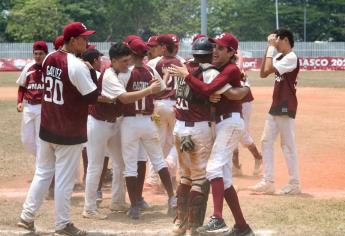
(21, 92)
(207, 89)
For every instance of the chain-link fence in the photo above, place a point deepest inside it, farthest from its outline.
(249, 49)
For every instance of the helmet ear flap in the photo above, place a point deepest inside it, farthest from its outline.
(202, 46)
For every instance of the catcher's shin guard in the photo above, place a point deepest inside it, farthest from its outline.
(198, 206)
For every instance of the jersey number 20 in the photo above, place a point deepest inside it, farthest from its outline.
(53, 91)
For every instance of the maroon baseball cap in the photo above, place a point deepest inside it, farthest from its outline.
(226, 40)
(198, 36)
(58, 42)
(175, 38)
(138, 47)
(165, 39)
(90, 46)
(130, 38)
(152, 41)
(76, 29)
(40, 45)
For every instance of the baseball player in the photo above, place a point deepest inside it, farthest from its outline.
(58, 42)
(281, 117)
(30, 90)
(164, 103)
(69, 86)
(193, 127)
(138, 127)
(229, 129)
(246, 140)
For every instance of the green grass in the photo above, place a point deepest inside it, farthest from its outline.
(8, 79)
(322, 79)
(14, 160)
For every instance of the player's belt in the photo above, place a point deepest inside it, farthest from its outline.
(112, 120)
(33, 102)
(192, 124)
(228, 115)
(138, 114)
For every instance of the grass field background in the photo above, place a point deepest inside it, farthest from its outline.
(320, 132)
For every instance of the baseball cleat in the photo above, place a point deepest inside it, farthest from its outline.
(70, 230)
(142, 204)
(94, 215)
(172, 206)
(119, 207)
(257, 167)
(179, 229)
(237, 232)
(26, 225)
(134, 213)
(290, 189)
(263, 187)
(214, 226)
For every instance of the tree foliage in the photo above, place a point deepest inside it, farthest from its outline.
(36, 20)
(249, 20)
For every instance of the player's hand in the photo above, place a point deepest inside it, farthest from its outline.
(155, 86)
(272, 40)
(179, 71)
(20, 107)
(214, 98)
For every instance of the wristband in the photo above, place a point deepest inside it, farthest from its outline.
(270, 51)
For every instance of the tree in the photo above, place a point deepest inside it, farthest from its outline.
(35, 20)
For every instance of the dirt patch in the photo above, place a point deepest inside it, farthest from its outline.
(8, 93)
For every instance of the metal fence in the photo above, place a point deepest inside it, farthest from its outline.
(249, 49)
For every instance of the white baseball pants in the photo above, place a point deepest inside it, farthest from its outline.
(285, 126)
(246, 139)
(228, 135)
(30, 128)
(165, 109)
(103, 138)
(61, 160)
(135, 130)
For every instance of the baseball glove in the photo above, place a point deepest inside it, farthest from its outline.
(186, 144)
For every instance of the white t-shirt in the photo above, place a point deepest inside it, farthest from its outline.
(113, 85)
(24, 74)
(287, 64)
(79, 75)
(153, 62)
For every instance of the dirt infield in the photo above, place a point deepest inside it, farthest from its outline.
(320, 210)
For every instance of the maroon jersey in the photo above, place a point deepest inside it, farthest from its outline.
(284, 93)
(229, 74)
(104, 111)
(64, 110)
(190, 106)
(169, 92)
(32, 80)
(139, 80)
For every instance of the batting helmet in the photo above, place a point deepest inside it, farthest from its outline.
(202, 46)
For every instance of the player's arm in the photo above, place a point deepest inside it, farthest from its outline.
(267, 64)
(131, 97)
(21, 88)
(236, 93)
(20, 97)
(199, 86)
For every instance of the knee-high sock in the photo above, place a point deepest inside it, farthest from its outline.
(166, 181)
(141, 178)
(218, 196)
(231, 198)
(131, 183)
